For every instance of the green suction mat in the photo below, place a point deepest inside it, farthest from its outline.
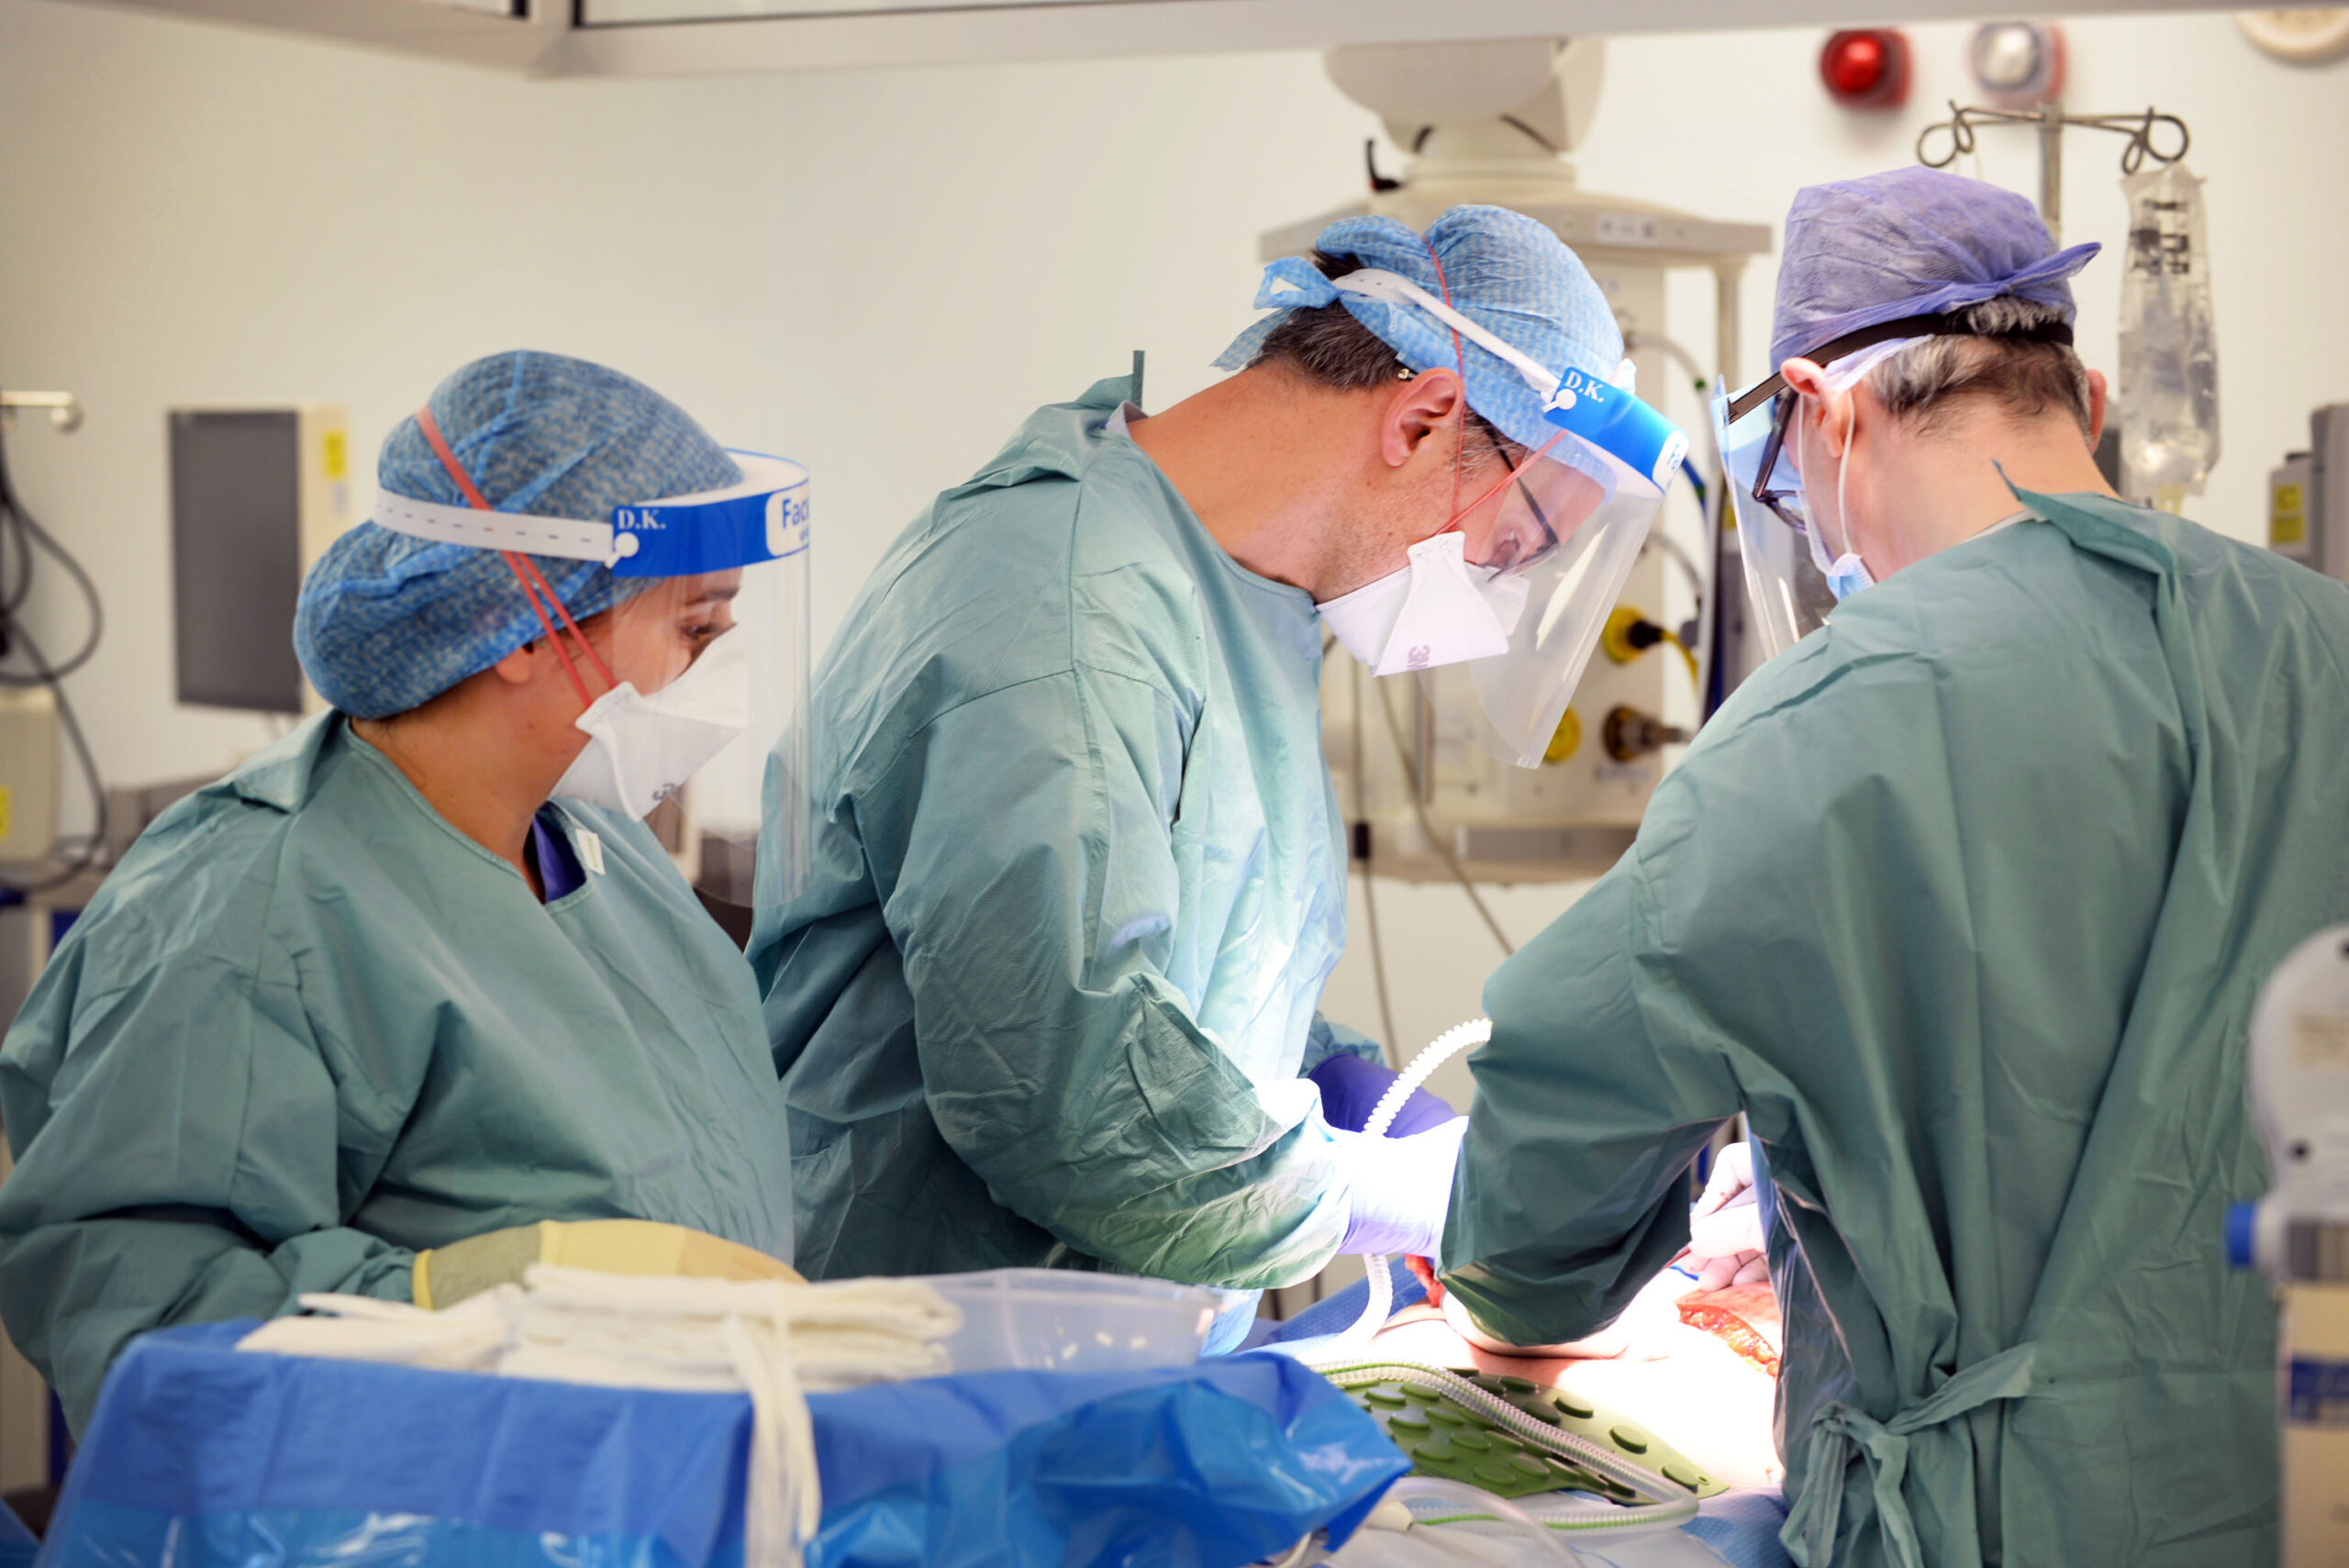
(1449, 1440)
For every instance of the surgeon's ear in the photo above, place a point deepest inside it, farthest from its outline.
(1804, 376)
(521, 667)
(1426, 406)
(2099, 390)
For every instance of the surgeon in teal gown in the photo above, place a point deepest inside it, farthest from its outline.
(1076, 876)
(309, 1027)
(1965, 902)
(1129, 859)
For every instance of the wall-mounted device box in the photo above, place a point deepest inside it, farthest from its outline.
(28, 776)
(257, 495)
(2308, 498)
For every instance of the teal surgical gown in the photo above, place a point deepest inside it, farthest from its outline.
(1076, 882)
(306, 1028)
(1966, 902)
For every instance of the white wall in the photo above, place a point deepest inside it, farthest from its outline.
(881, 271)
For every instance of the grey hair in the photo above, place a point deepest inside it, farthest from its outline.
(1326, 345)
(2024, 377)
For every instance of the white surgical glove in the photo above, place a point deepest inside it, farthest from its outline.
(1402, 1189)
(1725, 1227)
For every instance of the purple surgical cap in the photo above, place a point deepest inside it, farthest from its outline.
(1911, 242)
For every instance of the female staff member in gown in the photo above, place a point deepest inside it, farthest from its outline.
(358, 1015)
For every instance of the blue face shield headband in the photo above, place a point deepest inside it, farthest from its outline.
(764, 517)
(1636, 443)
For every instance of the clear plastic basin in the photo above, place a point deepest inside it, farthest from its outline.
(1061, 1320)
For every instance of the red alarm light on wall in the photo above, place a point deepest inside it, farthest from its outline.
(1866, 68)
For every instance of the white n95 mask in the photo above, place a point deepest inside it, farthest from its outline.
(1437, 610)
(641, 749)
(1560, 529)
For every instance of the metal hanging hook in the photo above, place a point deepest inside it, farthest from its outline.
(2138, 127)
(65, 408)
(2050, 122)
(2140, 141)
(1960, 130)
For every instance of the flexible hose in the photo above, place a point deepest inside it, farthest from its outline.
(1600, 1515)
(1376, 1270)
(1471, 1505)
(1455, 1505)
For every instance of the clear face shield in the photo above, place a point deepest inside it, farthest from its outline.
(699, 670)
(729, 799)
(1586, 512)
(1794, 572)
(1520, 583)
(1787, 594)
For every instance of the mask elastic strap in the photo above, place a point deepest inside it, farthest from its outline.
(1843, 472)
(525, 570)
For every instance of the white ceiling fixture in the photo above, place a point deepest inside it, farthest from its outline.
(687, 37)
(2306, 37)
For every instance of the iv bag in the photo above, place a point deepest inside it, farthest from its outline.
(2169, 355)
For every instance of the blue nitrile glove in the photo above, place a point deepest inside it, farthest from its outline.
(1352, 1087)
(1402, 1189)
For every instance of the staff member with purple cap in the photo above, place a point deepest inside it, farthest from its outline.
(1964, 901)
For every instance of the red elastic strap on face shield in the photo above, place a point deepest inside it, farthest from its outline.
(1460, 359)
(1459, 452)
(525, 570)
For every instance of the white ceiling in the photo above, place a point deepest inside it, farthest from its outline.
(892, 32)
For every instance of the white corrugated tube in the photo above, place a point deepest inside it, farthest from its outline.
(1376, 1270)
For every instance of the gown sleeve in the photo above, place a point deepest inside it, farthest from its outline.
(1033, 893)
(1327, 1039)
(1644, 1018)
(179, 1156)
(1813, 922)
(1570, 1196)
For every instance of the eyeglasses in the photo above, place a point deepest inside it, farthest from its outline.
(1534, 498)
(1786, 504)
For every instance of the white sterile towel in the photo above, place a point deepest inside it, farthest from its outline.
(767, 1338)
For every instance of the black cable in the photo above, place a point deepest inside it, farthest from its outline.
(21, 536)
(1695, 482)
(1427, 828)
(1391, 1045)
(24, 572)
(1540, 140)
(94, 843)
(19, 528)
